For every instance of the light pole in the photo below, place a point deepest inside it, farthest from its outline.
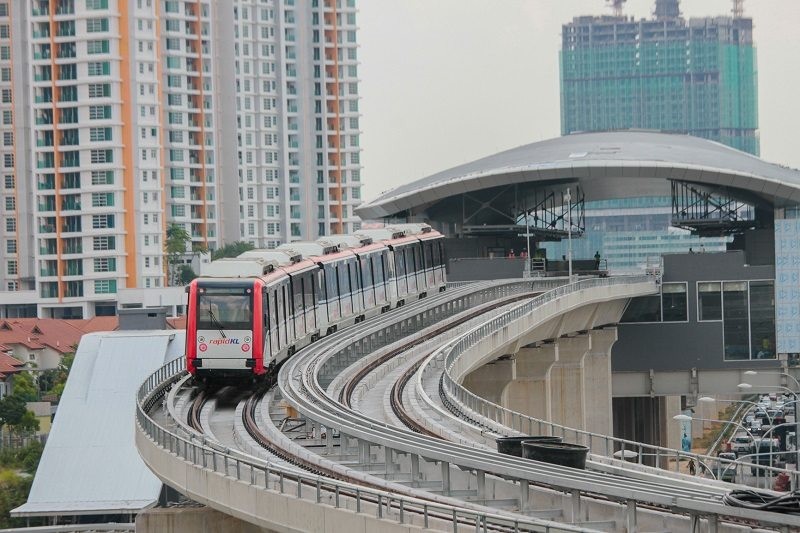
(569, 233)
(709, 399)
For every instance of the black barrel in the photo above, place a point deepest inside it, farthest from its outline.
(513, 445)
(557, 453)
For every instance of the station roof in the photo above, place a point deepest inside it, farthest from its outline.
(90, 464)
(606, 165)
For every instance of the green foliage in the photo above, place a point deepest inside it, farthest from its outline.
(231, 250)
(28, 423)
(175, 246)
(186, 274)
(12, 409)
(26, 459)
(24, 387)
(14, 490)
(53, 381)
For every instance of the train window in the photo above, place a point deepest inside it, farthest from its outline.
(344, 283)
(428, 246)
(436, 255)
(297, 290)
(399, 263)
(221, 308)
(417, 250)
(331, 289)
(275, 318)
(366, 272)
(308, 290)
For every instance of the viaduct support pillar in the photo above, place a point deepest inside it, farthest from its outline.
(567, 382)
(489, 380)
(529, 391)
(597, 382)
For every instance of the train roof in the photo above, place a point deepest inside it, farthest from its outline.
(309, 248)
(350, 241)
(396, 231)
(278, 257)
(233, 267)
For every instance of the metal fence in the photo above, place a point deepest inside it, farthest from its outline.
(479, 410)
(262, 475)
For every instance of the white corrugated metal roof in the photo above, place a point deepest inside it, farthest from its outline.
(90, 464)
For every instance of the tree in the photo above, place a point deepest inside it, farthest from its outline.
(24, 387)
(186, 274)
(175, 246)
(231, 250)
(12, 410)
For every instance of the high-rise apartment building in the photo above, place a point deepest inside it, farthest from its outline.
(236, 120)
(695, 76)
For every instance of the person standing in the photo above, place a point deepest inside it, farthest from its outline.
(597, 260)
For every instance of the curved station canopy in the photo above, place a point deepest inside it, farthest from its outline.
(600, 166)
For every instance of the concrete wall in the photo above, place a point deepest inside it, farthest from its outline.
(680, 346)
(192, 520)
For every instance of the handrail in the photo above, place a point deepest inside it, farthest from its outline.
(264, 475)
(476, 408)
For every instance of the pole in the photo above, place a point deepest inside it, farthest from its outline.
(528, 239)
(569, 233)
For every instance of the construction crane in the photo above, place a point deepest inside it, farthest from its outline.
(616, 5)
(738, 9)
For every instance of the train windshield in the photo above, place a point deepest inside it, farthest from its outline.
(221, 308)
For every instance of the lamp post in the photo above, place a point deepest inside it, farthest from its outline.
(709, 399)
(569, 233)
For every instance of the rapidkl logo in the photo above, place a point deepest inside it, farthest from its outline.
(223, 341)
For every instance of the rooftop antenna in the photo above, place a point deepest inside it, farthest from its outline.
(738, 9)
(616, 5)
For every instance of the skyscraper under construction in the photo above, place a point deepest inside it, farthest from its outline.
(695, 76)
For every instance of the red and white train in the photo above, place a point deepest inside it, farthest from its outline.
(247, 314)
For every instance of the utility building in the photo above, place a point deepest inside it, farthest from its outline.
(695, 76)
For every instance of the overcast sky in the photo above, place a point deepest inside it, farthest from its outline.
(445, 82)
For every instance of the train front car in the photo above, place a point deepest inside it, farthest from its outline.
(223, 342)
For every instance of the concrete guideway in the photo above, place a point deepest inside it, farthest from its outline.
(299, 386)
(215, 460)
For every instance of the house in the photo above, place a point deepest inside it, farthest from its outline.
(8, 367)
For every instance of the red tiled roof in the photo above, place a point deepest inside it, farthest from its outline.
(9, 365)
(59, 334)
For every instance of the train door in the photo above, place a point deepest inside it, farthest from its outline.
(274, 329)
(411, 269)
(419, 266)
(321, 299)
(309, 306)
(355, 286)
(345, 291)
(267, 336)
(400, 272)
(438, 261)
(298, 314)
(367, 281)
(332, 293)
(430, 266)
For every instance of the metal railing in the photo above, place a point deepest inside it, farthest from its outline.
(479, 410)
(263, 475)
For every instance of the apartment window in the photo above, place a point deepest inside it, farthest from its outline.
(103, 243)
(11, 246)
(9, 181)
(99, 134)
(99, 90)
(105, 286)
(97, 47)
(102, 177)
(99, 68)
(102, 221)
(178, 210)
(8, 160)
(105, 264)
(102, 156)
(96, 25)
(11, 203)
(11, 267)
(99, 112)
(178, 192)
(102, 199)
